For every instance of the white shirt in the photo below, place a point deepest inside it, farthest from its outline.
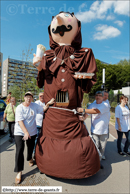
(107, 101)
(39, 117)
(123, 114)
(28, 116)
(100, 121)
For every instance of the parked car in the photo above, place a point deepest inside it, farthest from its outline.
(2, 108)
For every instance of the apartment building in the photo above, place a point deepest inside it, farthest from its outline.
(14, 71)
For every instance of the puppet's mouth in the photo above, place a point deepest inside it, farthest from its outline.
(62, 29)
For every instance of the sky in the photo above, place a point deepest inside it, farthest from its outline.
(104, 26)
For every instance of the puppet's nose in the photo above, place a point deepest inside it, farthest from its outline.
(59, 20)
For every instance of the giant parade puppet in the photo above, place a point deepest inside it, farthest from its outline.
(64, 148)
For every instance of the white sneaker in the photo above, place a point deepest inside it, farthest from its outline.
(103, 157)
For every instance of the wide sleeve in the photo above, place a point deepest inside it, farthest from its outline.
(41, 74)
(90, 67)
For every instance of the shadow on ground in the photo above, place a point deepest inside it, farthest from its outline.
(6, 146)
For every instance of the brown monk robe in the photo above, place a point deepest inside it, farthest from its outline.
(64, 148)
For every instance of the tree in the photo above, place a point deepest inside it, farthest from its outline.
(116, 76)
(85, 100)
(111, 95)
(32, 86)
(15, 91)
(23, 72)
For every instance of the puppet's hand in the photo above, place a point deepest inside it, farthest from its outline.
(36, 60)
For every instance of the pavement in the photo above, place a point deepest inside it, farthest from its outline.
(114, 178)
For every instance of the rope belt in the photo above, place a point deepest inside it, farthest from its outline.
(73, 110)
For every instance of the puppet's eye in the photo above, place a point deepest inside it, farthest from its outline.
(66, 15)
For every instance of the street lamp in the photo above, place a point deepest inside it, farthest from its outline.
(103, 79)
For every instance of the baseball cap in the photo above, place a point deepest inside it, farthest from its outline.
(28, 93)
(99, 92)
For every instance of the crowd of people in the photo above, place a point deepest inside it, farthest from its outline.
(25, 123)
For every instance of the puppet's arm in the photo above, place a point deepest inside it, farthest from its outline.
(40, 76)
(88, 67)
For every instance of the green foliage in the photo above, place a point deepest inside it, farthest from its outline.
(32, 86)
(119, 92)
(116, 75)
(111, 95)
(113, 104)
(85, 100)
(15, 91)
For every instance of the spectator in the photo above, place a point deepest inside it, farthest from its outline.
(99, 121)
(39, 117)
(122, 125)
(8, 98)
(105, 99)
(26, 130)
(10, 114)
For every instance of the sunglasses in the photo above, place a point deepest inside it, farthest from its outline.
(41, 96)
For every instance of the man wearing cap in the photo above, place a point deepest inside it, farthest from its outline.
(99, 121)
(26, 130)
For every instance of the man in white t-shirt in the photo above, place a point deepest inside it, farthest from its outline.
(26, 130)
(39, 117)
(99, 121)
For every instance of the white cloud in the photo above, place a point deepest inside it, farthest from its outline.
(110, 17)
(87, 16)
(99, 10)
(105, 32)
(103, 8)
(119, 23)
(122, 7)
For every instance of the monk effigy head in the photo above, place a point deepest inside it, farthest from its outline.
(64, 27)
